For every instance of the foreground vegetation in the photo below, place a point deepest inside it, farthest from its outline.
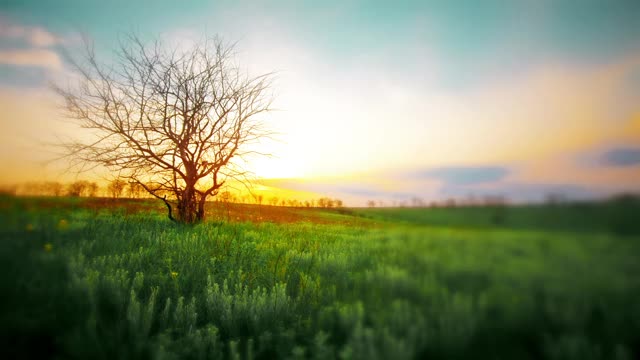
(118, 282)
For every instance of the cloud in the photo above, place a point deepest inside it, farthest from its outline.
(465, 175)
(31, 57)
(34, 36)
(621, 157)
(42, 38)
(522, 192)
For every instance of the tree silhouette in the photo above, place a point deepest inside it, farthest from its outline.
(176, 122)
(134, 189)
(116, 188)
(52, 188)
(92, 189)
(78, 188)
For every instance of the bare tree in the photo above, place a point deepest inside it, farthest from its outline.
(176, 122)
(116, 188)
(78, 188)
(134, 189)
(51, 188)
(417, 202)
(92, 189)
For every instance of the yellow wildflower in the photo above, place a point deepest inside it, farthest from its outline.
(48, 247)
(174, 274)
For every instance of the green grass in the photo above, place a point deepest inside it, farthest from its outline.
(620, 216)
(89, 283)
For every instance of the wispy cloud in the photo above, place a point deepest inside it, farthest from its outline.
(521, 192)
(465, 175)
(621, 157)
(29, 54)
(31, 57)
(32, 35)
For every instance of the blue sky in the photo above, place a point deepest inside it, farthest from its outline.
(474, 38)
(518, 93)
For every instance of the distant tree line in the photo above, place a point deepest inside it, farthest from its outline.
(259, 199)
(79, 188)
(323, 202)
(416, 202)
(119, 188)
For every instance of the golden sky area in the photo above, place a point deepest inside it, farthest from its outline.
(429, 109)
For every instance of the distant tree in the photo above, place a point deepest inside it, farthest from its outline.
(57, 189)
(371, 203)
(92, 189)
(78, 188)
(494, 200)
(31, 188)
(329, 203)
(274, 201)
(134, 190)
(555, 199)
(8, 190)
(225, 197)
(451, 202)
(177, 121)
(116, 188)
(51, 188)
(417, 202)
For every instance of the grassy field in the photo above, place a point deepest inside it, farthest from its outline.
(104, 279)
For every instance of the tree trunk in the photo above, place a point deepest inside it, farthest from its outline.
(187, 206)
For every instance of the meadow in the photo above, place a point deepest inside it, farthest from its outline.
(114, 279)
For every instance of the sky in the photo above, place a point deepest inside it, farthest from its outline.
(376, 100)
